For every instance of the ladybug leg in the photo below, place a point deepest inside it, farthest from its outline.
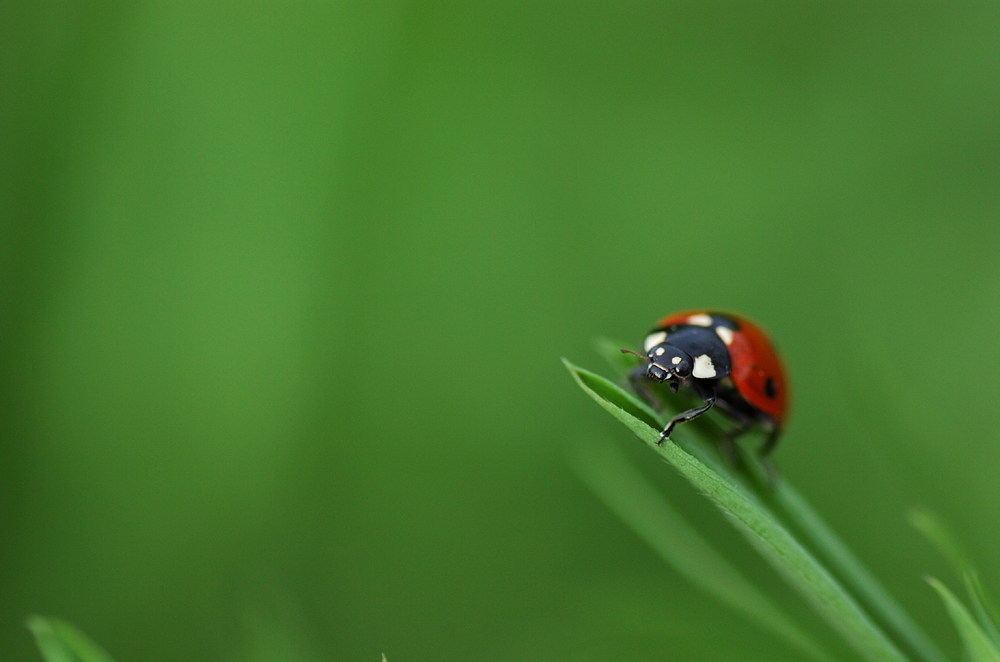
(707, 393)
(742, 420)
(772, 441)
(727, 442)
(764, 454)
(728, 438)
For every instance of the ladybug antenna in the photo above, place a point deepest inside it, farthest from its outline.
(641, 356)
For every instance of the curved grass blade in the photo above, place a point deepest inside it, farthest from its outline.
(627, 493)
(846, 566)
(977, 644)
(948, 545)
(59, 641)
(986, 611)
(792, 507)
(938, 534)
(762, 529)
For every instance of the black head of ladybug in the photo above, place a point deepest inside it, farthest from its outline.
(667, 362)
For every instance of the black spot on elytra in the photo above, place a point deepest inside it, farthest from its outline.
(769, 388)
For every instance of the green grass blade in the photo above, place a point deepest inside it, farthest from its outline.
(986, 612)
(948, 545)
(977, 644)
(764, 531)
(791, 506)
(938, 534)
(59, 641)
(846, 566)
(627, 493)
(49, 644)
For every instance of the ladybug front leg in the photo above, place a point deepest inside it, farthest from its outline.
(706, 393)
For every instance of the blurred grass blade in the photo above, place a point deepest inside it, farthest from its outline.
(789, 505)
(931, 527)
(273, 632)
(947, 543)
(627, 493)
(985, 610)
(977, 644)
(59, 641)
(846, 566)
(761, 528)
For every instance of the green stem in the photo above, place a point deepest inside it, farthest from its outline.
(792, 507)
(853, 573)
(628, 494)
(764, 531)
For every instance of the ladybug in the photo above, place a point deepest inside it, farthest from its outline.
(727, 361)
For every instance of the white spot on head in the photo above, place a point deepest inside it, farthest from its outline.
(725, 333)
(654, 339)
(675, 360)
(660, 351)
(700, 320)
(703, 367)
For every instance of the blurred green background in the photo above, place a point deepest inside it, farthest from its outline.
(284, 288)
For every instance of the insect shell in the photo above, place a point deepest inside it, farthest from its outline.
(727, 361)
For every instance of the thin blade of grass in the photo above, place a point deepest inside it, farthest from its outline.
(948, 545)
(49, 645)
(977, 644)
(627, 493)
(985, 609)
(59, 641)
(796, 513)
(790, 506)
(793, 507)
(941, 537)
(763, 530)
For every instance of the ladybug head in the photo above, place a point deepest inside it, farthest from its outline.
(668, 362)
